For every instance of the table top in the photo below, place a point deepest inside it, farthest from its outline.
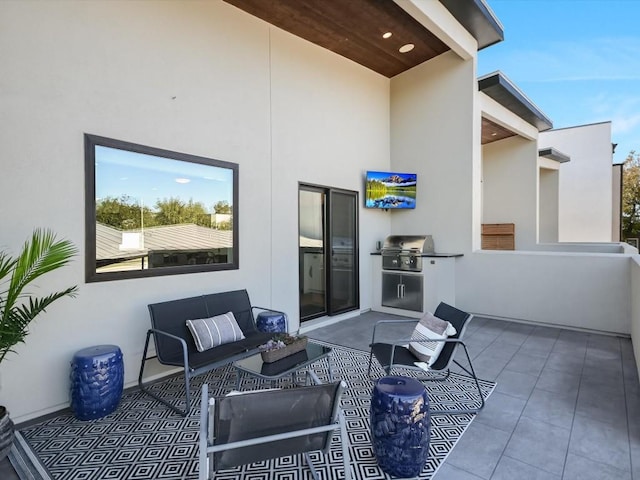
(291, 364)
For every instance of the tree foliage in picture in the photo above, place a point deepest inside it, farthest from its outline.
(126, 213)
(631, 196)
(41, 254)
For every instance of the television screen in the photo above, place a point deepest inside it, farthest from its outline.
(390, 190)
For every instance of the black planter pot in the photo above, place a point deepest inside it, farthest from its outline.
(6, 433)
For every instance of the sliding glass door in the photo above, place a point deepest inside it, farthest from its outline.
(328, 251)
(313, 279)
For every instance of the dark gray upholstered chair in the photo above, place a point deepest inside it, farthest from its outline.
(259, 425)
(397, 355)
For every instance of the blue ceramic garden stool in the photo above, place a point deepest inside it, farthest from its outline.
(97, 378)
(400, 425)
(271, 322)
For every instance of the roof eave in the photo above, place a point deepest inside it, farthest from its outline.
(553, 154)
(478, 19)
(503, 91)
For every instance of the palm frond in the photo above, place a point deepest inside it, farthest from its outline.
(25, 313)
(6, 264)
(40, 254)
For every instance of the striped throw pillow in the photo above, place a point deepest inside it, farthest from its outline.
(211, 332)
(430, 327)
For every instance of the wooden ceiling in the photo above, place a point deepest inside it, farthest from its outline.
(353, 29)
(492, 132)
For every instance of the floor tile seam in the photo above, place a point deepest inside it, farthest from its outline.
(446, 462)
(606, 465)
(573, 420)
(545, 422)
(502, 454)
(533, 466)
(570, 430)
(486, 347)
(546, 360)
(626, 407)
(511, 433)
(510, 358)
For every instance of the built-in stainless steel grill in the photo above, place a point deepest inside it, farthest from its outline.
(404, 252)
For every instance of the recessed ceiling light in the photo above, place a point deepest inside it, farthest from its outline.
(494, 134)
(406, 48)
(182, 180)
(387, 35)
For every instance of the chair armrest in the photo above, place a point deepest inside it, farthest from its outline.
(170, 335)
(414, 340)
(183, 343)
(390, 322)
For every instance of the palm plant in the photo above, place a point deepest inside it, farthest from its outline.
(41, 254)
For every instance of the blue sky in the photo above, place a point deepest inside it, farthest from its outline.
(577, 60)
(147, 178)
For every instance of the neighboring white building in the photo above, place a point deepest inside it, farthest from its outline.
(585, 183)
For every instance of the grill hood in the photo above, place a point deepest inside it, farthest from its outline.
(408, 243)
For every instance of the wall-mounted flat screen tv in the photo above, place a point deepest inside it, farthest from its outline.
(390, 190)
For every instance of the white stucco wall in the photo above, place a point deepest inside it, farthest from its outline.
(585, 184)
(330, 123)
(616, 202)
(586, 291)
(510, 187)
(432, 127)
(199, 77)
(548, 205)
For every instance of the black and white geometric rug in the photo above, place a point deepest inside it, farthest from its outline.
(143, 439)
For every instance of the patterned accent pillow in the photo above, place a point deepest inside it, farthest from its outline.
(214, 331)
(428, 328)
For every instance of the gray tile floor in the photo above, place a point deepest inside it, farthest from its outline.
(566, 405)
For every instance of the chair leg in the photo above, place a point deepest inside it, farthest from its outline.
(314, 472)
(344, 439)
(472, 374)
(370, 359)
(143, 387)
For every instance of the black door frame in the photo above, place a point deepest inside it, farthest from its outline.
(330, 309)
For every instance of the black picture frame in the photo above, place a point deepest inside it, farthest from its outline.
(197, 260)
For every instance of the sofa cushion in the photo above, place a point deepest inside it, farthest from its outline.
(214, 331)
(428, 328)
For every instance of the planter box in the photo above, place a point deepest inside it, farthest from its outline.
(271, 356)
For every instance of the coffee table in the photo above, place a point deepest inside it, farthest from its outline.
(293, 364)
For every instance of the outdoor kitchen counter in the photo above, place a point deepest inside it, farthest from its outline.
(434, 283)
(437, 255)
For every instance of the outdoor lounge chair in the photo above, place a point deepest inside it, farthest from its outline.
(398, 355)
(258, 425)
(175, 346)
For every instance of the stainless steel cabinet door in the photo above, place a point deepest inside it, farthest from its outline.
(403, 291)
(412, 292)
(391, 284)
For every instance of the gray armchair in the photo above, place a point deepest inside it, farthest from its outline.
(397, 355)
(259, 425)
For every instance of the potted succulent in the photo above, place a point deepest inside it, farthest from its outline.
(40, 254)
(282, 345)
